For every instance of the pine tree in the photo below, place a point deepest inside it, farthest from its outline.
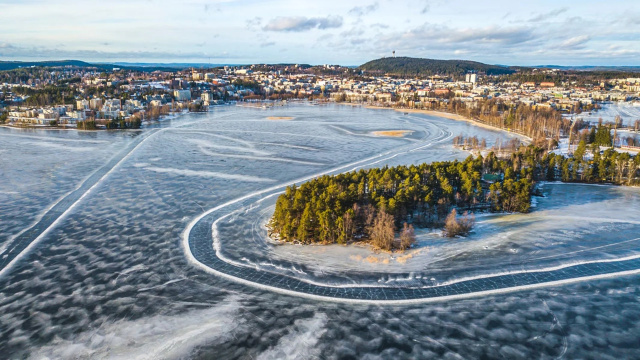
(580, 151)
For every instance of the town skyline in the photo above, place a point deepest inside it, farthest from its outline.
(246, 32)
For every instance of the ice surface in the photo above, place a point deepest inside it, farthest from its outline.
(629, 112)
(116, 261)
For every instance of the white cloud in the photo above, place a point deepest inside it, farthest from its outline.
(548, 15)
(301, 23)
(575, 42)
(364, 10)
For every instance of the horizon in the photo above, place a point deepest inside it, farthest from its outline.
(214, 65)
(349, 34)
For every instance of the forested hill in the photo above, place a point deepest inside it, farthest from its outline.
(11, 65)
(406, 66)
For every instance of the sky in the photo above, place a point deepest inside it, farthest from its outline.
(535, 32)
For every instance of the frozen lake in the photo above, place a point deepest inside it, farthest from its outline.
(112, 277)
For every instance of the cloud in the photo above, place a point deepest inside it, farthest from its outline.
(548, 15)
(426, 7)
(608, 54)
(325, 37)
(364, 10)
(442, 34)
(301, 23)
(492, 34)
(439, 41)
(631, 19)
(353, 32)
(575, 42)
(18, 52)
(254, 24)
(380, 26)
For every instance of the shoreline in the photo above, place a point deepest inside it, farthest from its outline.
(274, 237)
(170, 116)
(59, 128)
(446, 115)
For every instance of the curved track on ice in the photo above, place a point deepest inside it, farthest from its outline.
(202, 251)
(22, 243)
(203, 248)
(205, 253)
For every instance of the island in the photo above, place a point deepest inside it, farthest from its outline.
(369, 205)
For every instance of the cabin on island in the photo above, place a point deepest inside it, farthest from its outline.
(492, 178)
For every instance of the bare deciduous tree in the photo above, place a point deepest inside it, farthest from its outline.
(382, 234)
(458, 226)
(407, 236)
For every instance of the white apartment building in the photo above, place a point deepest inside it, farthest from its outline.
(182, 95)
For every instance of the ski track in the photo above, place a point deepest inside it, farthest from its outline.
(62, 216)
(207, 174)
(207, 144)
(260, 158)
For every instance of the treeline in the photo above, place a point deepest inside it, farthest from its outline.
(362, 205)
(87, 125)
(601, 135)
(11, 65)
(248, 84)
(50, 95)
(17, 76)
(608, 167)
(577, 78)
(197, 107)
(474, 143)
(537, 123)
(538, 77)
(471, 142)
(155, 112)
(589, 77)
(133, 122)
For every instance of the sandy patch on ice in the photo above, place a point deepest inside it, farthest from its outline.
(280, 118)
(403, 258)
(392, 133)
(386, 258)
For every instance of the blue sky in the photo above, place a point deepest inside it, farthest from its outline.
(319, 32)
